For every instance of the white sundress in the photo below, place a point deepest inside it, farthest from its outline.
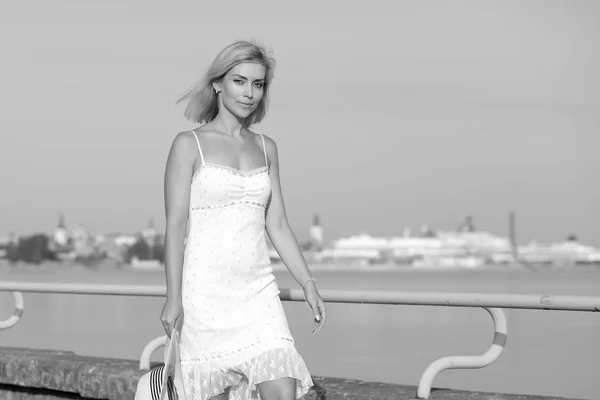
(234, 333)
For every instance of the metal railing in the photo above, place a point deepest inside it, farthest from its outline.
(493, 303)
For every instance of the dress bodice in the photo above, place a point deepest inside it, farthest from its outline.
(218, 186)
(226, 249)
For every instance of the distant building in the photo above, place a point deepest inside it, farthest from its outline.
(123, 240)
(427, 232)
(60, 236)
(81, 241)
(149, 234)
(467, 225)
(359, 248)
(315, 234)
(60, 241)
(6, 241)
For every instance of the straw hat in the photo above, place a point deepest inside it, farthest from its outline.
(163, 382)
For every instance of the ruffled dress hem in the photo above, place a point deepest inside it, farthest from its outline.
(241, 380)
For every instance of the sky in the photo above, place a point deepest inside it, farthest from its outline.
(387, 115)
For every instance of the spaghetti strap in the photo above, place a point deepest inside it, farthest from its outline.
(264, 150)
(199, 148)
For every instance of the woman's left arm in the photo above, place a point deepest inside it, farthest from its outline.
(285, 241)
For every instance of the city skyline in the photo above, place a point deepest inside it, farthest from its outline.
(423, 230)
(423, 116)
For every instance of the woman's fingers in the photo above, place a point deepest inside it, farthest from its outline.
(167, 327)
(322, 316)
(319, 315)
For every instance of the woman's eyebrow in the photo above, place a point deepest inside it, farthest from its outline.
(243, 77)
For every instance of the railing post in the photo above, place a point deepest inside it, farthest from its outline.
(17, 313)
(149, 350)
(467, 362)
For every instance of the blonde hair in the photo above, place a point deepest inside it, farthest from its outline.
(203, 103)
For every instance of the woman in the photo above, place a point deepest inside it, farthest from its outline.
(222, 186)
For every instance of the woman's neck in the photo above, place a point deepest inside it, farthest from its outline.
(229, 124)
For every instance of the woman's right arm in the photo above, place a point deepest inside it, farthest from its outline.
(178, 175)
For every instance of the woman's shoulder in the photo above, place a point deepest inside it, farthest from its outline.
(270, 147)
(190, 136)
(184, 139)
(184, 146)
(269, 142)
(204, 129)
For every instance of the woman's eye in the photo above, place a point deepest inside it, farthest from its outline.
(238, 81)
(259, 85)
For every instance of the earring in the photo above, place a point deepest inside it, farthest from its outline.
(217, 91)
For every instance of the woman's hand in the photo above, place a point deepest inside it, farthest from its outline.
(317, 305)
(171, 315)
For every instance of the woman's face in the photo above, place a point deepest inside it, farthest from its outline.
(242, 88)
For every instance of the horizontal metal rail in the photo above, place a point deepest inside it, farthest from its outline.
(450, 299)
(492, 303)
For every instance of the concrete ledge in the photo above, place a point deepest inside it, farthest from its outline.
(47, 374)
(97, 378)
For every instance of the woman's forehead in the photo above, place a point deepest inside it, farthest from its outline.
(249, 70)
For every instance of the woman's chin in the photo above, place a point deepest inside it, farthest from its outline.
(243, 115)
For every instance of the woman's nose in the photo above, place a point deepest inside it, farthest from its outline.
(249, 92)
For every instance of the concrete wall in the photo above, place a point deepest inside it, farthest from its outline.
(33, 374)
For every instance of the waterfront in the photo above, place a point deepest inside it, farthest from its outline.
(552, 353)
